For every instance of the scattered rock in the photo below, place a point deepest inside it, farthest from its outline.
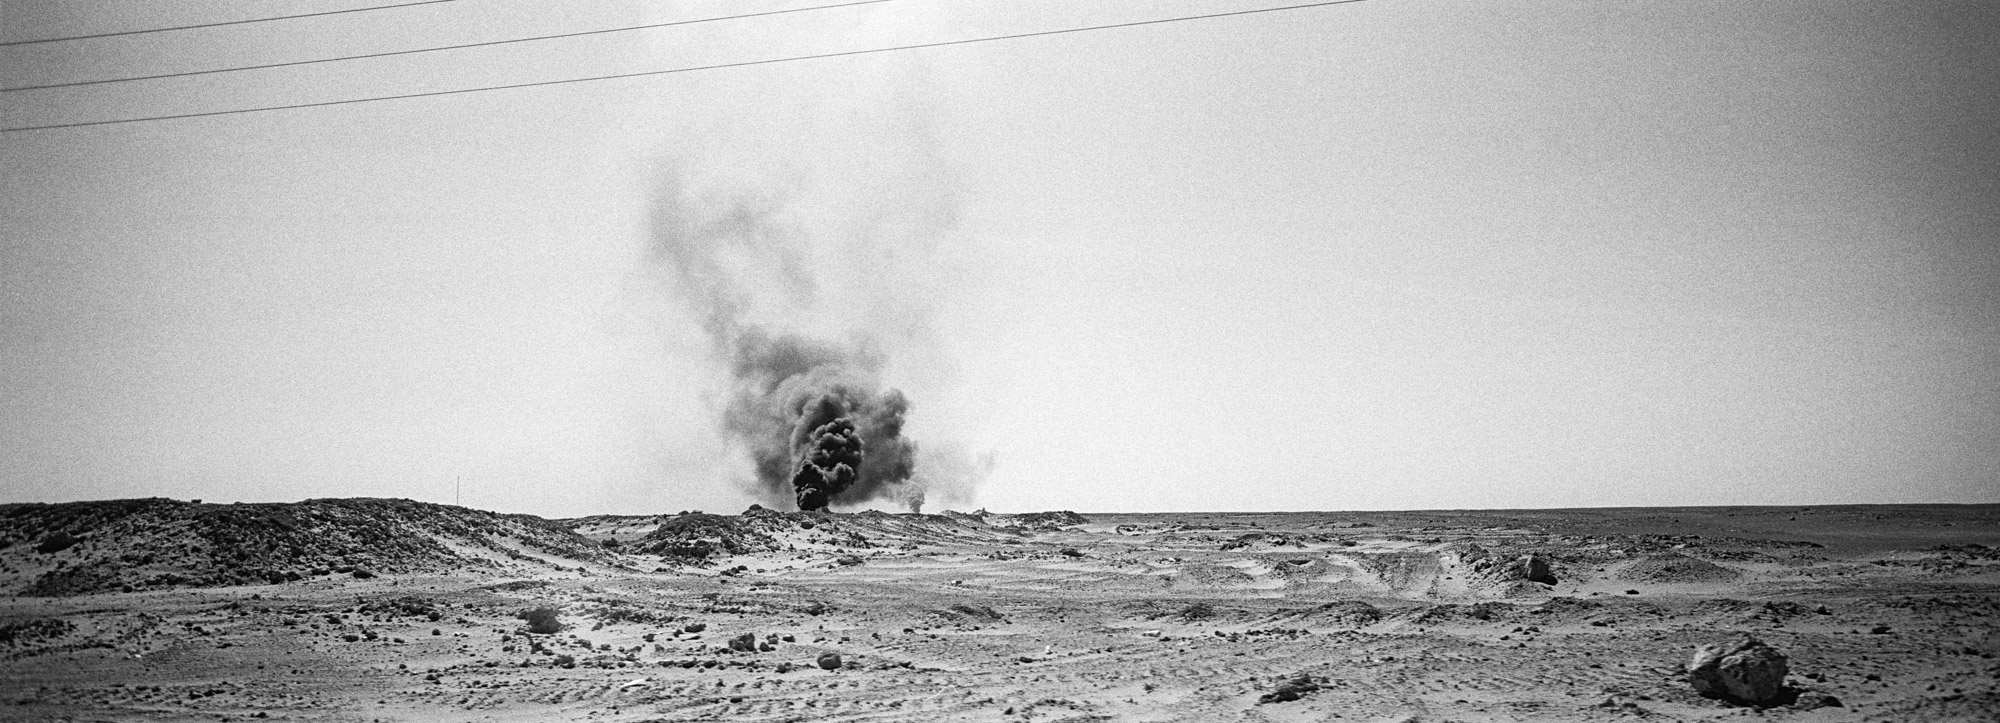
(745, 643)
(829, 661)
(964, 610)
(1290, 690)
(1673, 567)
(1745, 670)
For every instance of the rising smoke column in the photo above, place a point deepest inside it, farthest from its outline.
(815, 421)
(810, 412)
(814, 241)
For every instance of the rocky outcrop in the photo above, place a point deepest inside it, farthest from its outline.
(1532, 567)
(696, 535)
(141, 544)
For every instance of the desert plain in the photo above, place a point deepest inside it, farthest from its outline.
(392, 610)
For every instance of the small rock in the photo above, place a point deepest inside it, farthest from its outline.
(1810, 700)
(1290, 690)
(829, 661)
(745, 643)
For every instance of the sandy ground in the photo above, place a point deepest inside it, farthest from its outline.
(1890, 611)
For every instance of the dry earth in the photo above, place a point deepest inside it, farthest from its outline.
(363, 610)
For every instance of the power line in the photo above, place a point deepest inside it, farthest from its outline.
(436, 49)
(220, 24)
(719, 66)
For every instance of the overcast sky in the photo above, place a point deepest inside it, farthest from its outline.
(1394, 254)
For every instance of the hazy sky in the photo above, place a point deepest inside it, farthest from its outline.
(1391, 254)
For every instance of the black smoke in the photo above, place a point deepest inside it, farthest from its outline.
(815, 422)
(809, 409)
(829, 463)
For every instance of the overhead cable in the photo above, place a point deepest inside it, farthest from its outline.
(691, 69)
(220, 24)
(439, 48)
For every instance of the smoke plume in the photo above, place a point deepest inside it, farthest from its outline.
(947, 474)
(799, 324)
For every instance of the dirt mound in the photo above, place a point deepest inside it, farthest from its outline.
(1301, 568)
(1042, 521)
(160, 543)
(697, 535)
(908, 529)
(29, 632)
(1565, 609)
(1209, 576)
(1483, 612)
(1345, 612)
(1676, 568)
(966, 612)
(1402, 570)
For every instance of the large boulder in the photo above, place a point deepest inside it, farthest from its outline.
(1745, 670)
(1535, 568)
